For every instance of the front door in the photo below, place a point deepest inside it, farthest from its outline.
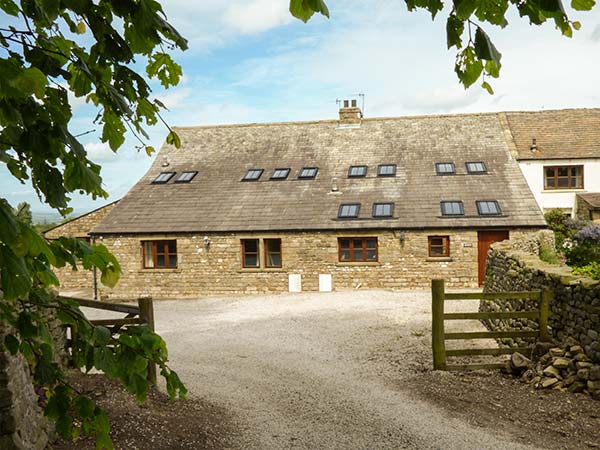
(484, 240)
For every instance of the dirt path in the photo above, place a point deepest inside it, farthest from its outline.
(317, 371)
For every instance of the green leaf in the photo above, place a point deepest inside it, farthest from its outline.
(101, 335)
(81, 29)
(577, 25)
(304, 9)
(84, 407)
(468, 67)
(9, 7)
(14, 274)
(454, 30)
(583, 5)
(113, 131)
(162, 66)
(149, 150)
(12, 344)
(487, 87)
(31, 81)
(173, 139)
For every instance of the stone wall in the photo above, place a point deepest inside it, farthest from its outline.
(217, 269)
(79, 227)
(574, 311)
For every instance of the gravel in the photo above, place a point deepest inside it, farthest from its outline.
(317, 370)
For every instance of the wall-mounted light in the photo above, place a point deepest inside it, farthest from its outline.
(402, 237)
(206, 242)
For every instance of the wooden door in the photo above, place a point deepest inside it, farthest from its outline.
(484, 240)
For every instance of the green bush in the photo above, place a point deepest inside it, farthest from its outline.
(591, 270)
(549, 255)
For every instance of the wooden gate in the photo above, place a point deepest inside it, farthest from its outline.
(439, 336)
(143, 313)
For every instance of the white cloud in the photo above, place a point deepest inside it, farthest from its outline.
(175, 98)
(257, 15)
(100, 152)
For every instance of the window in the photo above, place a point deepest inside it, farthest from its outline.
(280, 174)
(439, 246)
(185, 177)
(383, 209)
(308, 172)
(563, 177)
(476, 167)
(386, 170)
(488, 208)
(452, 208)
(357, 249)
(357, 171)
(272, 253)
(163, 177)
(349, 210)
(252, 175)
(445, 168)
(159, 254)
(250, 253)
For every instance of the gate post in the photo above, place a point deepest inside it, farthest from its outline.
(147, 315)
(437, 324)
(545, 298)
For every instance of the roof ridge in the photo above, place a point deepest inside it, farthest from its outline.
(382, 118)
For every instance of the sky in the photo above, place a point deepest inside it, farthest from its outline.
(251, 61)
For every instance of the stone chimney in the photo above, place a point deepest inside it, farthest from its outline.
(350, 114)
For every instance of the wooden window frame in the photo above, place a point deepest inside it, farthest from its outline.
(244, 253)
(363, 175)
(569, 177)
(445, 247)
(364, 249)
(267, 253)
(157, 181)
(442, 173)
(155, 245)
(381, 166)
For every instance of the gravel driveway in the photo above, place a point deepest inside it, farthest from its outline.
(316, 370)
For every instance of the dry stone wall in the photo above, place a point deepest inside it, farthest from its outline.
(574, 310)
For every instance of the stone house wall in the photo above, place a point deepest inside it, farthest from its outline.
(574, 311)
(403, 263)
(79, 227)
(586, 210)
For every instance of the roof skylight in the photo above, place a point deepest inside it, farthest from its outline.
(308, 172)
(163, 177)
(386, 170)
(488, 208)
(252, 175)
(383, 209)
(280, 174)
(445, 168)
(186, 177)
(348, 210)
(452, 208)
(357, 171)
(476, 167)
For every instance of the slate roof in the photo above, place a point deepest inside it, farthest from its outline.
(593, 198)
(216, 199)
(559, 134)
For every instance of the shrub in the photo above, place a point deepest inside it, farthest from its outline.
(584, 248)
(549, 255)
(591, 270)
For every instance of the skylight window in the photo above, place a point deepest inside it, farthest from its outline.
(386, 170)
(357, 171)
(308, 172)
(349, 210)
(488, 208)
(252, 175)
(186, 177)
(163, 177)
(383, 209)
(476, 167)
(280, 174)
(452, 208)
(445, 168)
